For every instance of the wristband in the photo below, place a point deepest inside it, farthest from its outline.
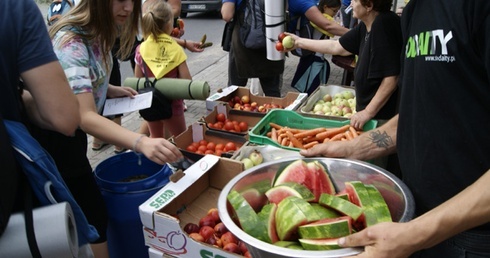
(136, 143)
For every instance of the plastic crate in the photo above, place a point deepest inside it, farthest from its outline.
(292, 119)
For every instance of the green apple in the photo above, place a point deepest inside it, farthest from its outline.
(327, 97)
(247, 163)
(347, 94)
(288, 42)
(317, 107)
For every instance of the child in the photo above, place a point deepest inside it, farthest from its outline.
(163, 57)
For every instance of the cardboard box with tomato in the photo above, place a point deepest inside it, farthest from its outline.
(165, 214)
(197, 135)
(243, 101)
(217, 120)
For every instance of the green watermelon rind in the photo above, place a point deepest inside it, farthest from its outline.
(370, 217)
(289, 217)
(327, 228)
(289, 244)
(323, 212)
(379, 205)
(248, 219)
(291, 188)
(268, 217)
(341, 205)
(319, 244)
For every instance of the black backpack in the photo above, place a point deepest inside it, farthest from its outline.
(9, 177)
(252, 31)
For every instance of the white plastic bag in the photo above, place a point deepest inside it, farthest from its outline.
(256, 88)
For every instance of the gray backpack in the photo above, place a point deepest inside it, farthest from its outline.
(252, 31)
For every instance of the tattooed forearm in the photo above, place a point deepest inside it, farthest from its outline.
(381, 139)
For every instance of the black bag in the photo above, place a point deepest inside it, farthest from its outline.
(252, 31)
(9, 177)
(161, 106)
(227, 33)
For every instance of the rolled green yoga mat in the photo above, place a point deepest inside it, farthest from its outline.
(174, 88)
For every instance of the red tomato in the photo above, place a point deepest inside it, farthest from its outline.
(218, 125)
(202, 148)
(195, 144)
(203, 142)
(237, 128)
(281, 36)
(220, 117)
(229, 126)
(219, 146)
(209, 152)
(211, 146)
(230, 146)
(191, 148)
(243, 126)
(279, 47)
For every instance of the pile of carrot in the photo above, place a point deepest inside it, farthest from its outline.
(307, 138)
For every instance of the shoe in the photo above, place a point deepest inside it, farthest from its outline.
(97, 146)
(118, 150)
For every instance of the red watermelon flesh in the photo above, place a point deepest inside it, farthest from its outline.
(321, 179)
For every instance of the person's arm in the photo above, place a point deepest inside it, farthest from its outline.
(228, 11)
(49, 101)
(184, 72)
(325, 46)
(158, 150)
(402, 239)
(193, 46)
(383, 94)
(371, 144)
(120, 91)
(314, 15)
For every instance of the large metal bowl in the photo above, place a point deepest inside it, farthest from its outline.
(396, 193)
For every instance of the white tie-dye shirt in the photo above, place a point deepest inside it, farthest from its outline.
(85, 70)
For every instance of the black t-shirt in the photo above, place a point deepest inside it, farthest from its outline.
(378, 57)
(444, 124)
(24, 44)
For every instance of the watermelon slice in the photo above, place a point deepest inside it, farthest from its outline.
(291, 213)
(319, 244)
(277, 193)
(289, 244)
(326, 228)
(268, 217)
(323, 212)
(378, 204)
(341, 205)
(312, 175)
(360, 196)
(249, 220)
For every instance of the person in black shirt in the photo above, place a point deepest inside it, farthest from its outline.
(441, 135)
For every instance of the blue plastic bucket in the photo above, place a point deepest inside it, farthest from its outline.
(126, 181)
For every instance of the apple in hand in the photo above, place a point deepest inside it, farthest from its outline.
(288, 42)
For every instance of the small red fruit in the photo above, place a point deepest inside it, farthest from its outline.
(220, 229)
(279, 46)
(213, 212)
(191, 228)
(228, 237)
(206, 232)
(232, 248)
(197, 237)
(207, 221)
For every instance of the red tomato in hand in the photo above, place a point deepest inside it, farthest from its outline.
(279, 47)
(281, 36)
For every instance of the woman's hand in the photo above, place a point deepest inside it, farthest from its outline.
(158, 150)
(118, 92)
(193, 46)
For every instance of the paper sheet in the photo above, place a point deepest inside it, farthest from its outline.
(127, 104)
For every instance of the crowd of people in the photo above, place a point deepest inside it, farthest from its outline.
(423, 73)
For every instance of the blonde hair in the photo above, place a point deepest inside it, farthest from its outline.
(95, 20)
(156, 19)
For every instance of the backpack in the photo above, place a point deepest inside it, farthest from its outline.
(301, 26)
(9, 177)
(58, 8)
(252, 31)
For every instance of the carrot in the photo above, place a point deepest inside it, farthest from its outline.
(332, 131)
(311, 139)
(279, 139)
(294, 140)
(348, 135)
(337, 137)
(274, 134)
(310, 144)
(310, 132)
(274, 125)
(284, 142)
(353, 131)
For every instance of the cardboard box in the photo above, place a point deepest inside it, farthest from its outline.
(198, 131)
(223, 108)
(307, 107)
(187, 200)
(291, 101)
